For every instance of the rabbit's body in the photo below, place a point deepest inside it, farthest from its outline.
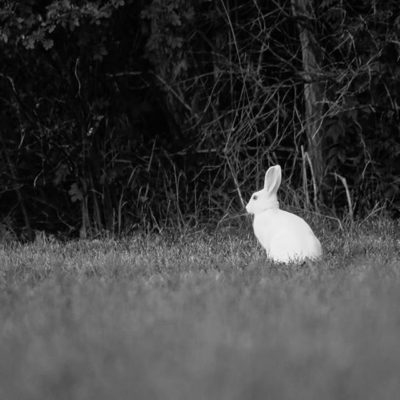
(285, 236)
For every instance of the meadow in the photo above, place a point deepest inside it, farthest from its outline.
(201, 315)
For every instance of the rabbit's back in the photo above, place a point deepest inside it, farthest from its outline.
(285, 236)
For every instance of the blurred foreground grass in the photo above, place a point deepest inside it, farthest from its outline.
(200, 316)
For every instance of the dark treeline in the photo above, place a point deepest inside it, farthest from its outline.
(125, 114)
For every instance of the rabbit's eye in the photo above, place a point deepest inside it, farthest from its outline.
(255, 197)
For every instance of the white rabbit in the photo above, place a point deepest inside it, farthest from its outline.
(285, 236)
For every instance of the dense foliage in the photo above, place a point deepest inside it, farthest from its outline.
(118, 114)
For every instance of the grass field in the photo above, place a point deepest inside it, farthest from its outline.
(201, 316)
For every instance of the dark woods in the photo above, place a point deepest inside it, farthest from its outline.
(117, 115)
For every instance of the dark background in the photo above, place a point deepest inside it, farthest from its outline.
(123, 115)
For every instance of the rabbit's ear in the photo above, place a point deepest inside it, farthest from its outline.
(273, 179)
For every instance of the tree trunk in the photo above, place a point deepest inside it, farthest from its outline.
(302, 9)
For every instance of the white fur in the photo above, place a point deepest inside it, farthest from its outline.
(285, 236)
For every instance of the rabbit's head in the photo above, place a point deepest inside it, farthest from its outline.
(266, 198)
